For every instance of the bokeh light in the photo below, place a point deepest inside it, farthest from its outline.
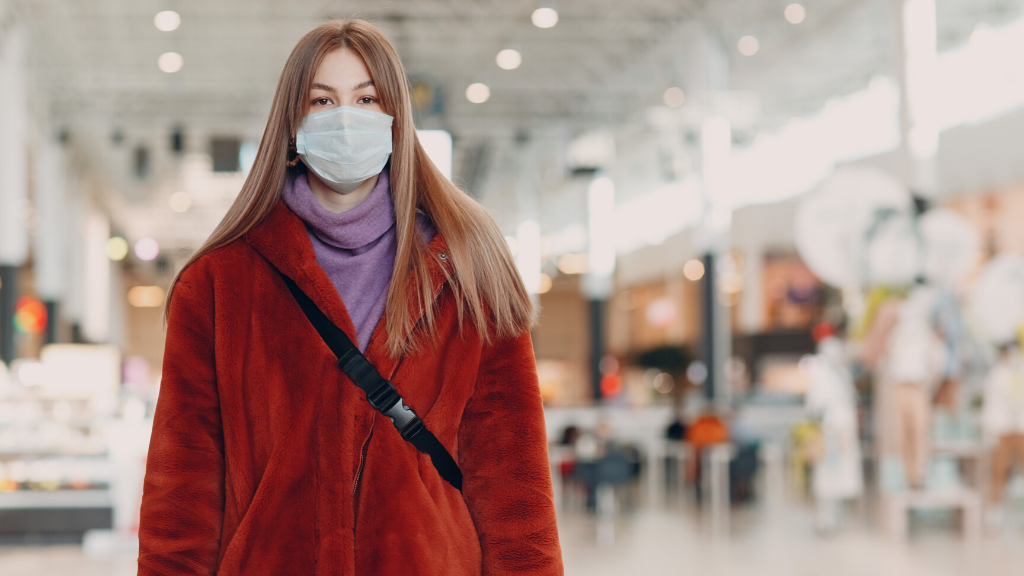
(146, 296)
(180, 201)
(795, 13)
(544, 17)
(478, 93)
(30, 315)
(117, 248)
(147, 249)
(674, 97)
(167, 21)
(693, 270)
(509, 59)
(748, 46)
(170, 62)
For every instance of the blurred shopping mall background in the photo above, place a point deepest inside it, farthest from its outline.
(776, 246)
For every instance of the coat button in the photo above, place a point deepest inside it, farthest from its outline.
(443, 256)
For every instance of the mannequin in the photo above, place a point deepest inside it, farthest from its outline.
(837, 474)
(909, 359)
(1003, 421)
(914, 365)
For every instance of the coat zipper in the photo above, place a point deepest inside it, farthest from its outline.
(373, 421)
(362, 454)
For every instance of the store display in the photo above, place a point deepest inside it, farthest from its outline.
(69, 462)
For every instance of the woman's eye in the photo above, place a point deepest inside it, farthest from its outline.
(366, 100)
(322, 101)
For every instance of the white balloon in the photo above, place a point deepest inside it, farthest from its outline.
(952, 246)
(893, 252)
(997, 298)
(832, 223)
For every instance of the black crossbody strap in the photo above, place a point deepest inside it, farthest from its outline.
(380, 393)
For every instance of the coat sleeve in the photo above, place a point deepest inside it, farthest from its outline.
(183, 494)
(504, 460)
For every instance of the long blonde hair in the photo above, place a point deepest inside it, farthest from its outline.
(490, 295)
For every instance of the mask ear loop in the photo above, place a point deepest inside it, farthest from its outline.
(293, 154)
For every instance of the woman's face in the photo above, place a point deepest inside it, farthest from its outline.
(343, 80)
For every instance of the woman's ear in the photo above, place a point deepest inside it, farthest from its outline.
(293, 154)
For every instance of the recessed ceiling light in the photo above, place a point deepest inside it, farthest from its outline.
(167, 20)
(478, 93)
(170, 62)
(544, 17)
(509, 59)
(795, 13)
(674, 97)
(748, 45)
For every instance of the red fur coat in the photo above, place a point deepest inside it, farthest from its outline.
(267, 461)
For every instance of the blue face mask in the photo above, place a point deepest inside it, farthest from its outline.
(344, 146)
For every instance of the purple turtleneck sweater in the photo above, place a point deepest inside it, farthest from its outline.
(356, 248)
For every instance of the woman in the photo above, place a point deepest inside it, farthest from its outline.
(266, 459)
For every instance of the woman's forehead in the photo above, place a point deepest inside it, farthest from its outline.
(342, 69)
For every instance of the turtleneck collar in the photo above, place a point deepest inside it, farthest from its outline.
(350, 230)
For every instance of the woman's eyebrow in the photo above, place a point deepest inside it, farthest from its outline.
(363, 84)
(324, 87)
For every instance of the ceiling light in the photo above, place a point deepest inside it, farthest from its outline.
(117, 248)
(170, 62)
(180, 201)
(674, 97)
(478, 93)
(795, 13)
(147, 249)
(167, 21)
(544, 17)
(748, 45)
(509, 59)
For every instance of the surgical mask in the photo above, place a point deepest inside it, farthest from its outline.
(344, 146)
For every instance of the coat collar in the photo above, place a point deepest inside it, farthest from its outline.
(283, 240)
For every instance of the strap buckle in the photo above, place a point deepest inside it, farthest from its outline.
(401, 415)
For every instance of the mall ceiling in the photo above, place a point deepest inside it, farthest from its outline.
(604, 62)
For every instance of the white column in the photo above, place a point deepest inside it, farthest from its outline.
(597, 285)
(13, 148)
(96, 315)
(716, 150)
(75, 281)
(50, 239)
(917, 66)
(528, 229)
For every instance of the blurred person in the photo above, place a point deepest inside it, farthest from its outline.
(707, 430)
(265, 457)
(1003, 423)
(909, 357)
(836, 465)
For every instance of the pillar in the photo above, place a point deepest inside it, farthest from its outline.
(13, 178)
(50, 238)
(916, 64)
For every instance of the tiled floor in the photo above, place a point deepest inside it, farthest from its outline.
(671, 542)
(677, 542)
